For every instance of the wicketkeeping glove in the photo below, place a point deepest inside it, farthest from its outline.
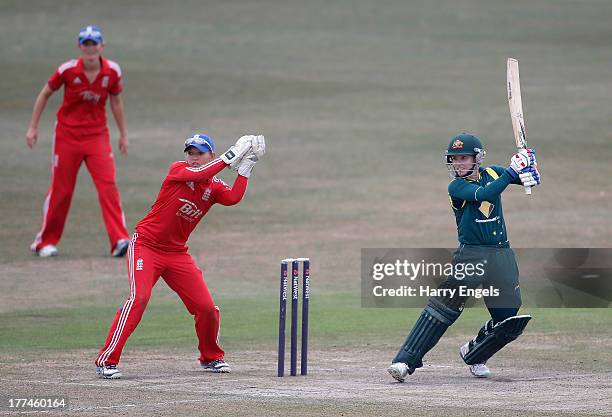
(234, 155)
(258, 146)
(246, 165)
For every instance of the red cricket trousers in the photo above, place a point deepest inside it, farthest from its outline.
(145, 266)
(70, 148)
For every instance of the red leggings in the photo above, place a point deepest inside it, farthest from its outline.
(145, 266)
(70, 149)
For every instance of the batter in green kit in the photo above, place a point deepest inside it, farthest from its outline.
(475, 197)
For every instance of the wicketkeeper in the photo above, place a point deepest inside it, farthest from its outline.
(475, 197)
(159, 246)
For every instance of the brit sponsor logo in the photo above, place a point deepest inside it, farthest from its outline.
(189, 211)
(90, 96)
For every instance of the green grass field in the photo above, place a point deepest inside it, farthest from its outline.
(247, 323)
(357, 100)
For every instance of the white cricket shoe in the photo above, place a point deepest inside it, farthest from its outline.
(46, 251)
(398, 370)
(108, 372)
(121, 248)
(218, 366)
(479, 370)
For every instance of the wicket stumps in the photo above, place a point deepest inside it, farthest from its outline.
(282, 314)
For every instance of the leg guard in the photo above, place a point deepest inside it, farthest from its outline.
(491, 338)
(430, 326)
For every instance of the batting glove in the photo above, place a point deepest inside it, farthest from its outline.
(532, 156)
(521, 160)
(530, 176)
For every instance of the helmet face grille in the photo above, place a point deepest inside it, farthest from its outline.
(478, 160)
(453, 172)
(480, 155)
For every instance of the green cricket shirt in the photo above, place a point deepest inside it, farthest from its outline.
(478, 208)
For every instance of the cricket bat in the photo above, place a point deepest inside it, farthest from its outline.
(516, 107)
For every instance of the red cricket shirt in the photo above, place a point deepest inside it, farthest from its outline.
(186, 195)
(84, 103)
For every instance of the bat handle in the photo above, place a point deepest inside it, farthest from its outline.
(528, 190)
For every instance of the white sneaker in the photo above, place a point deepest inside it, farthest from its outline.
(121, 248)
(218, 366)
(479, 370)
(46, 251)
(108, 372)
(398, 370)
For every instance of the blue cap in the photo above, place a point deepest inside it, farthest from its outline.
(201, 142)
(90, 33)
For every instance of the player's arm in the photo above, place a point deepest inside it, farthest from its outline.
(500, 170)
(456, 203)
(116, 105)
(464, 190)
(230, 196)
(468, 191)
(227, 196)
(39, 107)
(529, 176)
(232, 158)
(181, 172)
(460, 189)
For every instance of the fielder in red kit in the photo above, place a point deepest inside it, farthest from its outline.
(158, 247)
(81, 135)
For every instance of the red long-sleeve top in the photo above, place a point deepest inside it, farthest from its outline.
(186, 195)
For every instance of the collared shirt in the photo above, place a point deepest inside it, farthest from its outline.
(84, 103)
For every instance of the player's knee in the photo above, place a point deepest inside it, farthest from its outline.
(500, 314)
(63, 195)
(104, 182)
(204, 309)
(443, 310)
(449, 298)
(140, 301)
